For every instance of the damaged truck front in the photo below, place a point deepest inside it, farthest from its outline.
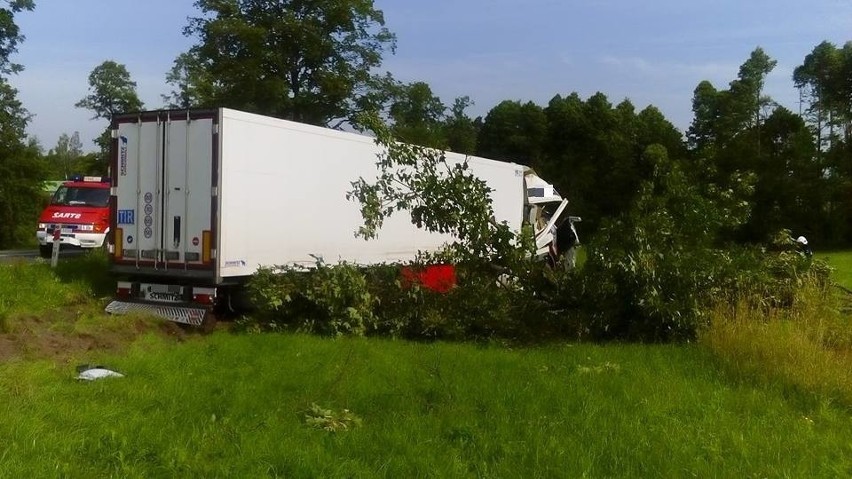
(200, 199)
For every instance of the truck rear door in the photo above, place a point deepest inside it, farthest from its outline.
(164, 186)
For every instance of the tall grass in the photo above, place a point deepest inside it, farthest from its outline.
(807, 347)
(236, 406)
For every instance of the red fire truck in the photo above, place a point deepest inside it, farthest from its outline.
(80, 209)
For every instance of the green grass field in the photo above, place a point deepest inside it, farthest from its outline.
(841, 261)
(236, 405)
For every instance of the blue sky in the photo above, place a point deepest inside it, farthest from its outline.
(652, 52)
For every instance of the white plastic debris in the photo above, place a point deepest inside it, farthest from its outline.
(91, 373)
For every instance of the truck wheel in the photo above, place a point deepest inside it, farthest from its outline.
(45, 251)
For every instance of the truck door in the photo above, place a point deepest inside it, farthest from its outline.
(164, 190)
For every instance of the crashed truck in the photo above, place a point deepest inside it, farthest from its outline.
(200, 199)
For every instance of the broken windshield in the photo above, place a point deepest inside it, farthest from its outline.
(76, 196)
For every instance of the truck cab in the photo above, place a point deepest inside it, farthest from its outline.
(80, 210)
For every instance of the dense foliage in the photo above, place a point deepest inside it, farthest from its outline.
(21, 171)
(343, 299)
(647, 295)
(310, 61)
(111, 92)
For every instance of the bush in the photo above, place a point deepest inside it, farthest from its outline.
(643, 294)
(639, 292)
(655, 272)
(331, 300)
(650, 269)
(485, 304)
(773, 277)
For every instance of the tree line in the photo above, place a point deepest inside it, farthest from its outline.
(319, 62)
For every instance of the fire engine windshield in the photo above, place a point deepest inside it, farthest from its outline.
(76, 196)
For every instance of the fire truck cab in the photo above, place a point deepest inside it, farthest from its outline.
(80, 209)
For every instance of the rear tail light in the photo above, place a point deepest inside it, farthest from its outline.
(204, 295)
(124, 290)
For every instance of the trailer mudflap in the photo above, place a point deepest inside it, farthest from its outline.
(179, 313)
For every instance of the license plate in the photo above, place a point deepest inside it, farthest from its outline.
(162, 293)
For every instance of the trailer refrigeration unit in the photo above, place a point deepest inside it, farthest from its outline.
(200, 199)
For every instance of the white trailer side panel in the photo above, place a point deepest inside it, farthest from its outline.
(283, 197)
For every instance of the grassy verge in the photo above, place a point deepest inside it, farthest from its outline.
(32, 288)
(58, 313)
(235, 406)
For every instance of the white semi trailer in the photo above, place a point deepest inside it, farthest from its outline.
(200, 199)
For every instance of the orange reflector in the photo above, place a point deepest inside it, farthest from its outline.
(117, 239)
(206, 245)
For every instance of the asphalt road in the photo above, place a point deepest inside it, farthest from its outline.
(18, 253)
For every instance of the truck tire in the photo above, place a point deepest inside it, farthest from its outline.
(45, 251)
